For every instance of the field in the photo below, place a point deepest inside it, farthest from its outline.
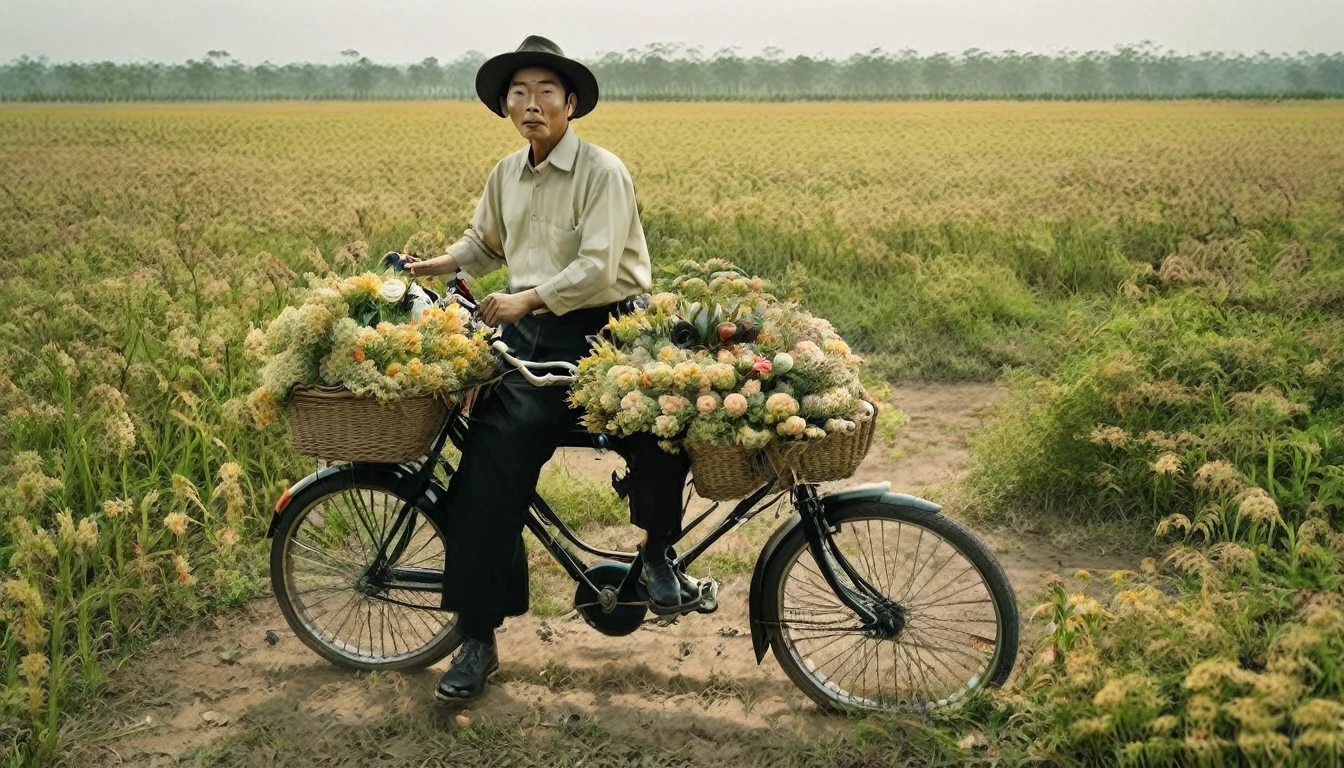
(1145, 301)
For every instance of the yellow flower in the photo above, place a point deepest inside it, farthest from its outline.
(183, 569)
(227, 538)
(1114, 437)
(1257, 505)
(1321, 713)
(836, 346)
(116, 508)
(1167, 464)
(1093, 726)
(1208, 675)
(34, 668)
(176, 522)
(367, 283)
(781, 405)
(1218, 477)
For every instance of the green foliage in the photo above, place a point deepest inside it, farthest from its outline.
(1207, 403)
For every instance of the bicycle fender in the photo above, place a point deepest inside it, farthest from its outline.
(832, 501)
(390, 474)
(755, 599)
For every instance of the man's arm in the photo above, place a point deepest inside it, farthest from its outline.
(480, 250)
(606, 224)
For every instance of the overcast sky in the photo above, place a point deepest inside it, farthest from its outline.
(399, 31)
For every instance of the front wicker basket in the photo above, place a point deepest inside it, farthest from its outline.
(723, 472)
(338, 425)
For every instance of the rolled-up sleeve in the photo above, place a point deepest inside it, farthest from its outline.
(607, 218)
(480, 250)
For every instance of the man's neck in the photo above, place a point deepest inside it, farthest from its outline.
(542, 149)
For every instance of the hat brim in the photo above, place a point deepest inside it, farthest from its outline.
(494, 75)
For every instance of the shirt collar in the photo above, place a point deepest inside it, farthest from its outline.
(562, 156)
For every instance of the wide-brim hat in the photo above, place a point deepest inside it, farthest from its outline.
(494, 76)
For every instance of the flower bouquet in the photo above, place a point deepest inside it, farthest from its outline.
(364, 369)
(751, 385)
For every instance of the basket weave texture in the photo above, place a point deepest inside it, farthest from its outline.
(723, 472)
(338, 425)
(833, 457)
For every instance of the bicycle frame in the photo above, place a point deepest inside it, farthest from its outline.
(857, 595)
(852, 589)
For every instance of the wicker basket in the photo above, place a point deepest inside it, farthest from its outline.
(337, 425)
(723, 472)
(834, 457)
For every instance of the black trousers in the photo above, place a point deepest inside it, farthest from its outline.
(512, 432)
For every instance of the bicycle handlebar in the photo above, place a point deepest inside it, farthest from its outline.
(458, 293)
(525, 367)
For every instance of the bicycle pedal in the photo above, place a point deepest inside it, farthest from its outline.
(709, 596)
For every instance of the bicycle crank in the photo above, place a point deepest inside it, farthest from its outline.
(606, 609)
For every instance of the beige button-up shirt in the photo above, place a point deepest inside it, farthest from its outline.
(567, 227)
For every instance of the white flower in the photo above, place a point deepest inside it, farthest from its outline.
(735, 404)
(865, 411)
(392, 290)
(783, 362)
(666, 426)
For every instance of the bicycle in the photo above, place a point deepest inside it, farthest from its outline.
(356, 566)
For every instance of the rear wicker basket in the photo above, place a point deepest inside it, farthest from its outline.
(338, 425)
(834, 457)
(723, 472)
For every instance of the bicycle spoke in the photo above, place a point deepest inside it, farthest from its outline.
(333, 545)
(944, 647)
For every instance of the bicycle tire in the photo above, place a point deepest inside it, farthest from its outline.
(957, 536)
(443, 642)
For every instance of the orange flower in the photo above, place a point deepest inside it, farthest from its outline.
(359, 355)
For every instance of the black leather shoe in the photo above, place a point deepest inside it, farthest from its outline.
(662, 584)
(472, 666)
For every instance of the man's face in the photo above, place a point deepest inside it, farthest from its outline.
(536, 104)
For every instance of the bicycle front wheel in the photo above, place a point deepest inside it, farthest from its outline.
(950, 619)
(337, 602)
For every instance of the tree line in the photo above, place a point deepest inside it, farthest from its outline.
(674, 72)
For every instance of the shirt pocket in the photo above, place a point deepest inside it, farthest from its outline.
(564, 244)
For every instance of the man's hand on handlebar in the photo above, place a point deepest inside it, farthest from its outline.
(499, 308)
(439, 265)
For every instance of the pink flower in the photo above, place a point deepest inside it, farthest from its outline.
(762, 365)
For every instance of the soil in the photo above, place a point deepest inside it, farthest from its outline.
(692, 685)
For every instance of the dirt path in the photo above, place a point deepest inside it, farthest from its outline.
(693, 688)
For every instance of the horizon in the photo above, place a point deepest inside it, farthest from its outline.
(408, 31)
(680, 52)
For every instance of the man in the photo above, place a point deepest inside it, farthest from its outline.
(560, 213)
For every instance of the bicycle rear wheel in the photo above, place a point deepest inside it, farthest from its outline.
(321, 558)
(955, 631)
